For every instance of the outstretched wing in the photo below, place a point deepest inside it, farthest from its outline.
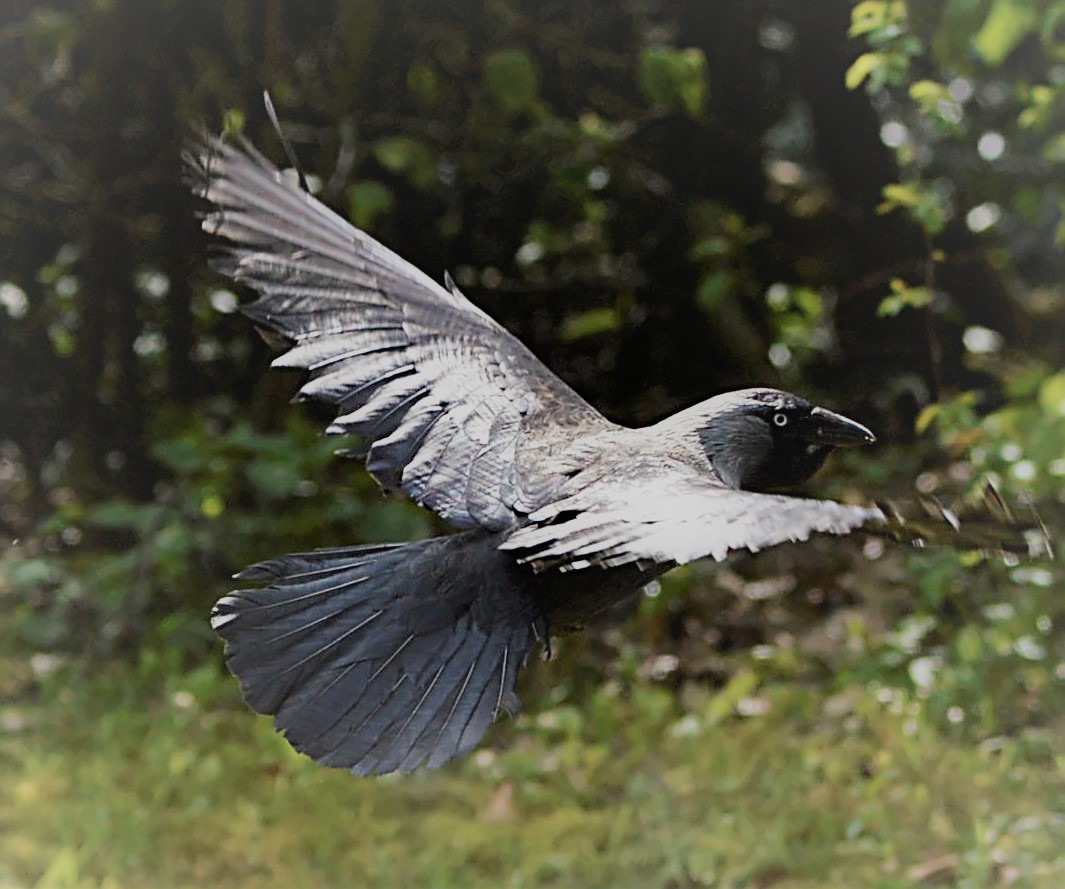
(672, 516)
(439, 395)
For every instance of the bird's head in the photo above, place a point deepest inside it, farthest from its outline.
(765, 439)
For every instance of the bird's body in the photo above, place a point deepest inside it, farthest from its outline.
(389, 657)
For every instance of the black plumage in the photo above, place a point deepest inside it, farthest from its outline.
(379, 658)
(390, 657)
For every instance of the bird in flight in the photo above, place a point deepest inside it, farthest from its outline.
(390, 657)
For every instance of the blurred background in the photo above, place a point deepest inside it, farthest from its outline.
(861, 203)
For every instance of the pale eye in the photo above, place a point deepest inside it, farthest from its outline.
(780, 419)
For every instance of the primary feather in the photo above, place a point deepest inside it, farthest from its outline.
(436, 391)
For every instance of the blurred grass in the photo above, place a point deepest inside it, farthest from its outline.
(149, 778)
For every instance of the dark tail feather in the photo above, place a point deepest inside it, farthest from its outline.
(378, 658)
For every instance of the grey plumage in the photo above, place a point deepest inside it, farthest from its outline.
(391, 657)
(442, 397)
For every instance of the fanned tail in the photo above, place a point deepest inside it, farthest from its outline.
(382, 658)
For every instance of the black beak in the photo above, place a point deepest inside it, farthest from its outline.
(824, 427)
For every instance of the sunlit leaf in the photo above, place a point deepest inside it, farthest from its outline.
(723, 704)
(902, 195)
(1052, 394)
(870, 15)
(233, 121)
(861, 68)
(928, 94)
(926, 417)
(589, 323)
(212, 505)
(904, 297)
(674, 78)
(958, 20)
(1008, 23)
(922, 200)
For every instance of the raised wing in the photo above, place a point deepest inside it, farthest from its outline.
(439, 395)
(672, 516)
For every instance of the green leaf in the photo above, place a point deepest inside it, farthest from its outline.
(923, 201)
(969, 645)
(512, 80)
(927, 417)
(1054, 150)
(1052, 394)
(1040, 110)
(808, 302)
(956, 24)
(589, 323)
(928, 94)
(675, 78)
(233, 121)
(1008, 23)
(898, 194)
(863, 67)
(722, 705)
(1051, 30)
(212, 504)
(904, 297)
(869, 16)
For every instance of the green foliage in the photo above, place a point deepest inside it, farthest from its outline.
(924, 201)
(881, 23)
(801, 321)
(1018, 445)
(155, 777)
(813, 716)
(904, 297)
(945, 112)
(981, 642)
(1007, 24)
(102, 576)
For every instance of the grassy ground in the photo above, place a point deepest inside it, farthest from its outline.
(138, 781)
